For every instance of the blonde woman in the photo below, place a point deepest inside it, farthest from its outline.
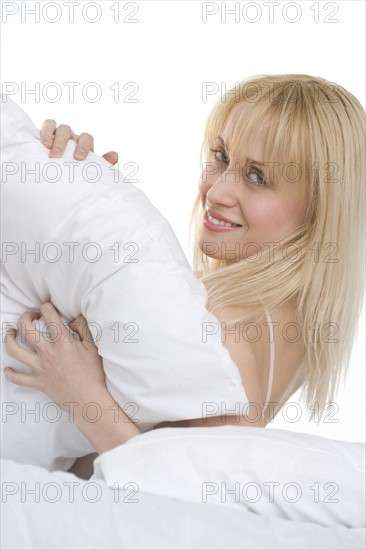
(279, 239)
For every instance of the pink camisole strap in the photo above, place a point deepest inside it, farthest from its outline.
(271, 362)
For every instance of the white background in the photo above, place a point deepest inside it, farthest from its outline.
(170, 52)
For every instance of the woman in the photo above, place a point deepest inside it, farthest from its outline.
(279, 221)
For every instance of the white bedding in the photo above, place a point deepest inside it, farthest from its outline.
(119, 511)
(270, 472)
(102, 249)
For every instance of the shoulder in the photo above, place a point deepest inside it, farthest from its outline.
(242, 352)
(250, 344)
(255, 332)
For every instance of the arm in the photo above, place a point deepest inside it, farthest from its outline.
(112, 429)
(70, 372)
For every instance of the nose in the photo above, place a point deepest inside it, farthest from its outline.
(223, 187)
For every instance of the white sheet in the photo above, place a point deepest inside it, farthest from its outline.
(110, 515)
(152, 522)
(279, 473)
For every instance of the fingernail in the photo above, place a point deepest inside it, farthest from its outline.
(47, 140)
(80, 154)
(56, 151)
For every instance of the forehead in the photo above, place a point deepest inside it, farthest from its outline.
(245, 131)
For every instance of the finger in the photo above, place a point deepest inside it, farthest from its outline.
(27, 330)
(62, 136)
(23, 355)
(111, 157)
(85, 144)
(47, 132)
(19, 378)
(54, 322)
(80, 326)
(29, 316)
(74, 136)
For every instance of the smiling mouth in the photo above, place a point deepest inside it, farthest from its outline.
(219, 219)
(214, 224)
(216, 221)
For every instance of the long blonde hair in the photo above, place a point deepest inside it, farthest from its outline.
(320, 127)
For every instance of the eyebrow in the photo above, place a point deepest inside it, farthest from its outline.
(247, 158)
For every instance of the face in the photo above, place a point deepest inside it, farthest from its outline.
(262, 214)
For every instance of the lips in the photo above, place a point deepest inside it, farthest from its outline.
(218, 216)
(218, 227)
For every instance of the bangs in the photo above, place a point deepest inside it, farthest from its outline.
(285, 125)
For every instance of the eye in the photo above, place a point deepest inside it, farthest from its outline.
(256, 174)
(225, 159)
(252, 173)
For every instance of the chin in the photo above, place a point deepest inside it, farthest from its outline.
(210, 249)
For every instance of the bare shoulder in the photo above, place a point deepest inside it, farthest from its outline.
(242, 352)
(245, 359)
(249, 345)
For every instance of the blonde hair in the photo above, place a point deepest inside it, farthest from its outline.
(320, 126)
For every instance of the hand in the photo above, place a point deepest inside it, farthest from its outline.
(63, 367)
(56, 138)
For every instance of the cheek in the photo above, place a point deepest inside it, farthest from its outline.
(290, 214)
(274, 215)
(203, 188)
(283, 216)
(260, 213)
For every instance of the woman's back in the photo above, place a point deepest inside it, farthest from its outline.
(250, 347)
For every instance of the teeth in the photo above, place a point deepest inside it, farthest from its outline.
(220, 222)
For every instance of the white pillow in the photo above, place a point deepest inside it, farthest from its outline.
(103, 250)
(278, 473)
